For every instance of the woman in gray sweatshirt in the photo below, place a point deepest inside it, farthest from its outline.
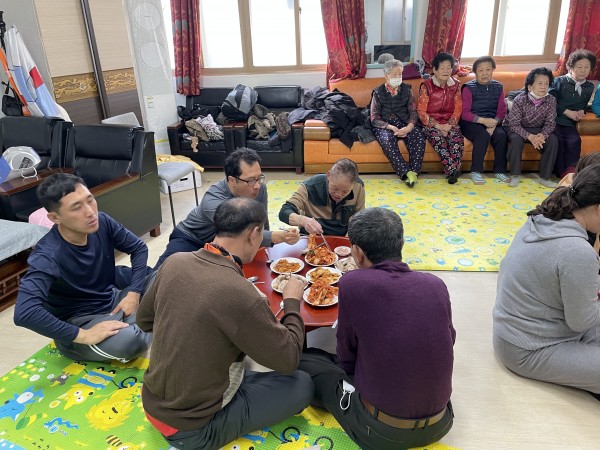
(547, 311)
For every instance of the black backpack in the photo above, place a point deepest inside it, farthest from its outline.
(239, 103)
(11, 105)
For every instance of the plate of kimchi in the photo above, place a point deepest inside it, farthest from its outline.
(327, 274)
(320, 256)
(287, 265)
(320, 294)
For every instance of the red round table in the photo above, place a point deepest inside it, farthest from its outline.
(313, 317)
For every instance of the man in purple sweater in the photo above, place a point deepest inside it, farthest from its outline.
(390, 385)
(72, 292)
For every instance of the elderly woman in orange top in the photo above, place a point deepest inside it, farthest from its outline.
(439, 108)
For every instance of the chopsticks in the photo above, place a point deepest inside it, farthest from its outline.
(325, 241)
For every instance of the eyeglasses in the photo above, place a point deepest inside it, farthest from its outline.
(252, 182)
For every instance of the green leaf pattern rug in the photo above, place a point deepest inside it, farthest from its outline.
(49, 402)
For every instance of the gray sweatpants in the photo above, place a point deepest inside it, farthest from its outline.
(548, 151)
(127, 344)
(573, 363)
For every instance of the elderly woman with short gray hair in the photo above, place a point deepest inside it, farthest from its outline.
(394, 116)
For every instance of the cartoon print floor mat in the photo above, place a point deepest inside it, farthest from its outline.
(460, 227)
(49, 402)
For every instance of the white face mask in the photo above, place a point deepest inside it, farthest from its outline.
(537, 97)
(395, 82)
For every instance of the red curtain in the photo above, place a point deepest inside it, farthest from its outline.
(444, 29)
(583, 31)
(186, 42)
(344, 23)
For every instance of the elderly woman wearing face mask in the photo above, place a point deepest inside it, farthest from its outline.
(483, 108)
(439, 108)
(393, 117)
(532, 118)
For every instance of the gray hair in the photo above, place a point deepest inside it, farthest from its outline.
(384, 57)
(345, 167)
(391, 64)
(379, 233)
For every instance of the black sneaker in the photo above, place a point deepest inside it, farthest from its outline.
(452, 177)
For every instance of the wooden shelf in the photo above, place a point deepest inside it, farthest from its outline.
(11, 271)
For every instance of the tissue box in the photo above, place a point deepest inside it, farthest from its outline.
(183, 184)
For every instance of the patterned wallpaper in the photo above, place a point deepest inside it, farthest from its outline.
(81, 86)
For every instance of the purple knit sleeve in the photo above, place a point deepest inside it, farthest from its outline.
(515, 118)
(467, 104)
(550, 122)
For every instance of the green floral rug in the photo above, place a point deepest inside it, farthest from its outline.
(50, 402)
(460, 227)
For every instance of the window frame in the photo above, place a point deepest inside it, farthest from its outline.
(549, 43)
(404, 18)
(247, 56)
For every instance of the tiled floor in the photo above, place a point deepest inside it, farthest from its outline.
(494, 408)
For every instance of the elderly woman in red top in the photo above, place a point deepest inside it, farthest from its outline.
(439, 108)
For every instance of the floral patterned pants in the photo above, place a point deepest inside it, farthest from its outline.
(449, 148)
(414, 141)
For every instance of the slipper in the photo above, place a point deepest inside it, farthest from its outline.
(514, 181)
(477, 178)
(548, 183)
(411, 178)
(502, 177)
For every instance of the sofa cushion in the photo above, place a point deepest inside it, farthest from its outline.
(277, 97)
(104, 141)
(589, 125)
(208, 97)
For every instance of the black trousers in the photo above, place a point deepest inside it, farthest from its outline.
(480, 138)
(358, 423)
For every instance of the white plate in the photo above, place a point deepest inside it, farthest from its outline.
(342, 250)
(275, 282)
(289, 259)
(329, 269)
(322, 265)
(341, 263)
(305, 297)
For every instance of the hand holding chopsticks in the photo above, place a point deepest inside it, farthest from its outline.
(325, 241)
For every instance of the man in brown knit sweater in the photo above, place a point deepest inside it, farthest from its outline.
(206, 317)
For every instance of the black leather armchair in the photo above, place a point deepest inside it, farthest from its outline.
(277, 99)
(210, 154)
(48, 137)
(118, 163)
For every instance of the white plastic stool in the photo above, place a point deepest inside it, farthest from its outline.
(170, 172)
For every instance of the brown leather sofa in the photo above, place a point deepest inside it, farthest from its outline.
(320, 151)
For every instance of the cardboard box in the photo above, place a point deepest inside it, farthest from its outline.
(183, 184)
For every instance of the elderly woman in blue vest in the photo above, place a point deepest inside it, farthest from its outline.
(572, 92)
(394, 116)
(483, 108)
